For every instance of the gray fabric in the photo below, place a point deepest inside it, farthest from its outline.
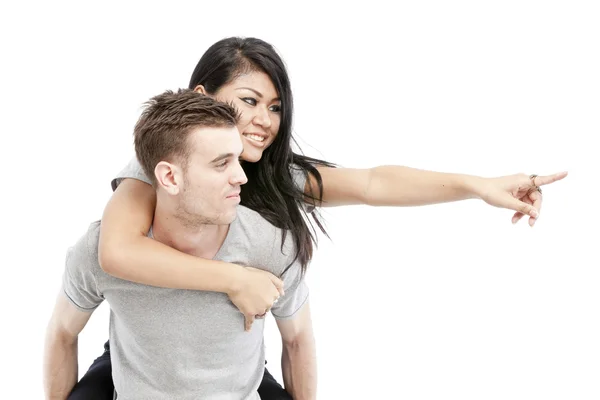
(185, 344)
(132, 170)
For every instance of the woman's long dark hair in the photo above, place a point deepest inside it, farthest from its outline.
(270, 190)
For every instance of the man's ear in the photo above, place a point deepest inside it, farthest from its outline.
(169, 177)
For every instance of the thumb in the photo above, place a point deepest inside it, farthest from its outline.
(278, 284)
(249, 320)
(520, 206)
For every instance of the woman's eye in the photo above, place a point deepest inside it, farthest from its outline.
(221, 165)
(249, 100)
(275, 108)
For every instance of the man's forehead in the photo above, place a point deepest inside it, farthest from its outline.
(211, 142)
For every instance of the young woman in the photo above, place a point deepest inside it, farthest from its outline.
(282, 185)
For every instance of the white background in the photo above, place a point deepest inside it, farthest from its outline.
(439, 302)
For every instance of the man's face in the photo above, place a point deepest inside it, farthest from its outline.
(213, 177)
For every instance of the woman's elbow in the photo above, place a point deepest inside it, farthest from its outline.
(109, 255)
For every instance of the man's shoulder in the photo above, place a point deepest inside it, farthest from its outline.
(249, 217)
(92, 235)
(264, 237)
(255, 225)
(85, 251)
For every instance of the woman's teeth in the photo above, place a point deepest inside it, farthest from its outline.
(256, 138)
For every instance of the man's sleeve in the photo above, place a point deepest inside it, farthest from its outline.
(79, 283)
(296, 293)
(132, 170)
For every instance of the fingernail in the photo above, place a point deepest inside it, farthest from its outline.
(535, 214)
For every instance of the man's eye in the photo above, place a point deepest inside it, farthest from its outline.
(221, 165)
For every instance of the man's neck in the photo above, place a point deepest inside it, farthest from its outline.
(202, 240)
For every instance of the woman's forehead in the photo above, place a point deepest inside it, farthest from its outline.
(256, 81)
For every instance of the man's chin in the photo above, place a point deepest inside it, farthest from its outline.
(228, 218)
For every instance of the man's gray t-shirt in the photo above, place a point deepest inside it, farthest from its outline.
(186, 344)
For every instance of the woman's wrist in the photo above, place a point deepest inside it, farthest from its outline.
(234, 278)
(472, 186)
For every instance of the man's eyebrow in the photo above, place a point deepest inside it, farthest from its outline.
(224, 156)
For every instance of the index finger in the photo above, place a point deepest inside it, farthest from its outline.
(548, 179)
(278, 284)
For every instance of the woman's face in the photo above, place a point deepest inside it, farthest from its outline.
(254, 95)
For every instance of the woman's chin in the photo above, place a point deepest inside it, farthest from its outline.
(251, 154)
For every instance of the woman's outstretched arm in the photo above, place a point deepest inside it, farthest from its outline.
(404, 186)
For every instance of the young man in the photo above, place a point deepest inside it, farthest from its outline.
(181, 344)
